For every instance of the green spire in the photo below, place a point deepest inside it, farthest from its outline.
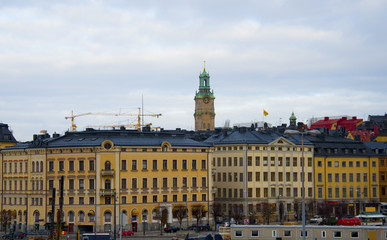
(204, 85)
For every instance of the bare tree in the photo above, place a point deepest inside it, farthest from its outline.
(161, 214)
(198, 211)
(216, 211)
(268, 210)
(5, 218)
(179, 212)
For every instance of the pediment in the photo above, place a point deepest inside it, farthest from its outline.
(281, 141)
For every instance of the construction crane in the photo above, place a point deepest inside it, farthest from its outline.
(139, 115)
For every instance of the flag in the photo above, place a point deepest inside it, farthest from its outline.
(265, 113)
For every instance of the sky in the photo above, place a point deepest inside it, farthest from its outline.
(316, 58)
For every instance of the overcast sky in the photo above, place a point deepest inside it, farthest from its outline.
(316, 58)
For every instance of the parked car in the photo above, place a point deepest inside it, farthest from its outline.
(30, 233)
(200, 227)
(171, 229)
(316, 219)
(126, 232)
(15, 235)
(348, 221)
(43, 232)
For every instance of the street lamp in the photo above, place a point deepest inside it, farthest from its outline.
(279, 209)
(295, 132)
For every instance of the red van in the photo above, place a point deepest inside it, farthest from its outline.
(348, 221)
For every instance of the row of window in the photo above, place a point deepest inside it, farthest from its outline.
(135, 199)
(134, 183)
(134, 166)
(35, 185)
(288, 233)
(350, 192)
(22, 201)
(262, 148)
(344, 164)
(238, 193)
(344, 177)
(233, 177)
(273, 161)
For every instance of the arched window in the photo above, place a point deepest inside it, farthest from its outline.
(145, 215)
(107, 165)
(33, 166)
(108, 184)
(37, 216)
(108, 217)
(81, 216)
(41, 166)
(71, 216)
(90, 217)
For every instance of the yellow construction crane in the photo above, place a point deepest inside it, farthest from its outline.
(139, 115)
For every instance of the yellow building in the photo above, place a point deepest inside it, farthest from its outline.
(6, 137)
(346, 176)
(148, 172)
(252, 168)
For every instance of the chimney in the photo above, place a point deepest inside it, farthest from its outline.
(326, 118)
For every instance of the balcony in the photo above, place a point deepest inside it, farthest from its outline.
(106, 192)
(107, 172)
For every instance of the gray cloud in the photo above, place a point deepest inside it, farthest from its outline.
(314, 57)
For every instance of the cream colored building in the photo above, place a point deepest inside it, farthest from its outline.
(251, 168)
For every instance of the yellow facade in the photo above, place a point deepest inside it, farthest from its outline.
(351, 179)
(143, 179)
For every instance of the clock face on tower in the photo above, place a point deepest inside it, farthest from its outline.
(206, 100)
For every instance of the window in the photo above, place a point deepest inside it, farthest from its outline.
(294, 162)
(154, 165)
(274, 233)
(238, 233)
(357, 177)
(174, 164)
(165, 182)
(174, 182)
(301, 233)
(154, 198)
(364, 163)
(50, 166)
(81, 200)
(193, 164)
(154, 183)
(61, 166)
(184, 184)
(373, 177)
(257, 161)
(254, 233)
(134, 199)
(204, 182)
(319, 177)
(354, 234)
(123, 200)
(337, 164)
(91, 165)
(249, 161)
(123, 183)
(344, 164)
(323, 234)
(144, 165)
(165, 164)
(50, 184)
(134, 165)
(344, 192)
(204, 165)
(81, 165)
(123, 165)
(287, 233)
(71, 200)
(108, 166)
(344, 177)
(351, 177)
(184, 167)
(350, 164)
(81, 183)
(336, 234)
(337, 177)
(165, 198)
(329, 164)
(144, 199)
(108, 184)
(134, 183)
(365, 177)
(91, 184)
(319, 192)
(71, 184)
(204, 197)
(194, 182)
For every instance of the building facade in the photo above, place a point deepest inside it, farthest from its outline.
(120, 177)
(253, 169)
(346, 176)
(204, 104)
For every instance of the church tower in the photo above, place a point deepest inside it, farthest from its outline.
(204, 104)
(293, 121)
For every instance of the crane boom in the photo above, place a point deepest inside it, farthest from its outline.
(139, 115)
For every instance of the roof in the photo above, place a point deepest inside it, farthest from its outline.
(5, 134)
(349, 124)
(93, 138)
(248, 136)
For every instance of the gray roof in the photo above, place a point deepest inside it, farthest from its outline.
(249, 136)
(5, 134)
(92, 138)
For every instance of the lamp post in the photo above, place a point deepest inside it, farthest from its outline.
(295, 132)
(279, 209)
